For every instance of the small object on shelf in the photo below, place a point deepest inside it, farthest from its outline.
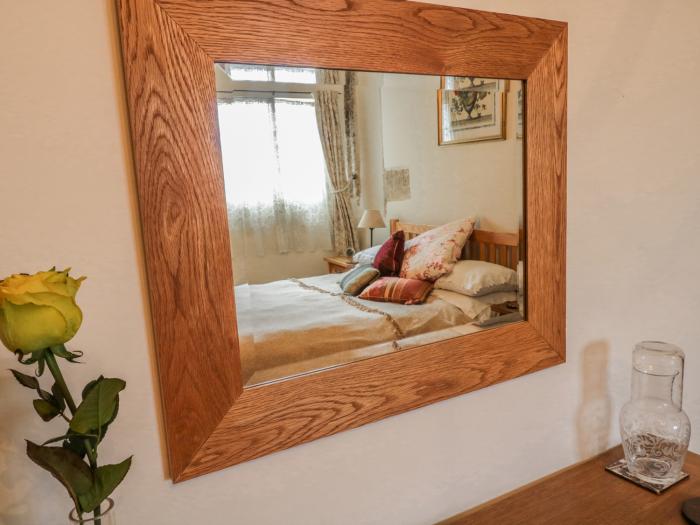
(691, 510)
(657, 487)
(339, 263)
(655, 431)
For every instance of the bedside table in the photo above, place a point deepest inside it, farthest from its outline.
(509, 307)
(339, 263)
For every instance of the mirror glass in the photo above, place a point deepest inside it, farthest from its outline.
(368, 212)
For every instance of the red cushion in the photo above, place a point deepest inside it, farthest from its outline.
(390, 256)
(397, 290)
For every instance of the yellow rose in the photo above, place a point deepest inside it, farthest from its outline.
(38, 311)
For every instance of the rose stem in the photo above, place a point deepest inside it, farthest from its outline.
(58, 377)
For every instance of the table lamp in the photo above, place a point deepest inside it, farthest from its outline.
(371, 219)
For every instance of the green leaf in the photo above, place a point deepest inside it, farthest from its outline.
(58, 396)
(46, 396)
(46, 410)
(107, 477)
(66, 437)
(41, 363)
(66, 467)
(90, 385)
(75, 444)
(61, 351)
(35, 357)
(98, 407)
(25, 380)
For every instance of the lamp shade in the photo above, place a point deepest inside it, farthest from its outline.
(371, 219)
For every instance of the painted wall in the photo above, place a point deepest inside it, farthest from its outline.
(450, 182)
(370, 148)
(68, 199)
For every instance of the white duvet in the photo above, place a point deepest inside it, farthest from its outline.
(285, 322)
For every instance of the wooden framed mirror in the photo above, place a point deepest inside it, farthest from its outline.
(214, 415)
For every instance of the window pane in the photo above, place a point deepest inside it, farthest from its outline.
(301, 158)
(248, 152)
(248, 72)
(295, 74)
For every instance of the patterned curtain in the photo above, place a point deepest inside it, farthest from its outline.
(331, 116)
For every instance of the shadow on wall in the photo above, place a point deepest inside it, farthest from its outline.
(593, 415)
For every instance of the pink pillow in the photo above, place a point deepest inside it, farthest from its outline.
(397, 290)
(390, 256)
(434, 253)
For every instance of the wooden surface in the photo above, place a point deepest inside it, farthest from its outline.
(174, 134)
(545, 194)
(169, 49)
(339, 263)
(585, 494)
(367, 35)
(271, 417)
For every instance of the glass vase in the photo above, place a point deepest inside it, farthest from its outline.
(105, 516)
(655, 430)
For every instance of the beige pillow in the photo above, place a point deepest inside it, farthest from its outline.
(477, 278)
(434, 253)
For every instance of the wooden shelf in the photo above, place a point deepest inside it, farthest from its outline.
(586, 494)
(339, 263)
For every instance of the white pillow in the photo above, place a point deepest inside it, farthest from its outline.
(366, 256)
(477, 278)
(476, 308)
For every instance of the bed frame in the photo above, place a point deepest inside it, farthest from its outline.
(498, 248)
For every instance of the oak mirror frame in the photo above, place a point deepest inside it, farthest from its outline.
(169, 48)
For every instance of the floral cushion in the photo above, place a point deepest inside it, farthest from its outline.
(397, 290)
(434, 253)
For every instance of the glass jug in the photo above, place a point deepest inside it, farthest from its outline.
(655, 430)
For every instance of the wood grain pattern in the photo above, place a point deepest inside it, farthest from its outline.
(324, 403)
(402, 37)
(545, 194)
(172, 104)
(585, 494)
(495, 247)
(169, 48)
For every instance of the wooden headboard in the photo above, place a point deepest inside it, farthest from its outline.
(498, 248)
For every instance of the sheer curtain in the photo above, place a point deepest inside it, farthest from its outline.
(274, 177)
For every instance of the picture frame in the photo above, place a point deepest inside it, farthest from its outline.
(474, 83)
(519, 114)
(471, 115)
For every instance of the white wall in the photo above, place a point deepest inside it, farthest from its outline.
(370, 147)
(450, 182)
(68, 199)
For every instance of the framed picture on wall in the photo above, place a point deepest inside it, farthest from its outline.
(519, 116)
(474, 83)
(471, 115)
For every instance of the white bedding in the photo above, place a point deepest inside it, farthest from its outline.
(285, 322)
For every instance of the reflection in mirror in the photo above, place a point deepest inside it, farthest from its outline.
(368, 212)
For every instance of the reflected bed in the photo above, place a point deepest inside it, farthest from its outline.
(292, 326)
